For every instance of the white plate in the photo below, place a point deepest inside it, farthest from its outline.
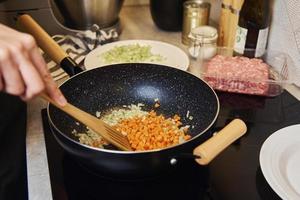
(280, 161)
(174, 56)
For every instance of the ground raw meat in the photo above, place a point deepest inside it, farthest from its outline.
(238, 74)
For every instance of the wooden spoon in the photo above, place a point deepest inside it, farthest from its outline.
(110, 134)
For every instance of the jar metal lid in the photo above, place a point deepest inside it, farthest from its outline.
(204, 34)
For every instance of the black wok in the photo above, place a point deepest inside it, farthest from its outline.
(108, 87)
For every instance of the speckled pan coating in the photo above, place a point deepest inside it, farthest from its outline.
(113, 86)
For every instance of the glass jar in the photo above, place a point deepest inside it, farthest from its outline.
(195, 13)
(203, 42)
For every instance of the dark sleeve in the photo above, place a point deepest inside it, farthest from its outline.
(13, 176)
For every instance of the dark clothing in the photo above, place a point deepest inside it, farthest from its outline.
(13, 176)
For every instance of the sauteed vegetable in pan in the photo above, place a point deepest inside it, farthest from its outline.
(144, 130)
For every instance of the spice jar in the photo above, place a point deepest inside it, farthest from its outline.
(203, 42)
(195, 13)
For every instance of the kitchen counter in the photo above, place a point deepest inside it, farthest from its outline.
(136, 24)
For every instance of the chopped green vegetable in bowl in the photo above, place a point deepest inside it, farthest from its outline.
(131, 53)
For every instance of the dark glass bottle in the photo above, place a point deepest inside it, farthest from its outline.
(253, 28)
(167, 14)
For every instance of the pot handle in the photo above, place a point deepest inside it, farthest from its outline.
(208, 150)
(48, 45)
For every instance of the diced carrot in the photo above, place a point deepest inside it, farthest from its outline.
(152, 131)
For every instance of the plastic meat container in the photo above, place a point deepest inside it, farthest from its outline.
(264, 76)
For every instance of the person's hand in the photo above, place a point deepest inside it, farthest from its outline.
(23, 71)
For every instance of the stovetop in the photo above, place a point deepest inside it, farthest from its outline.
(234, 174)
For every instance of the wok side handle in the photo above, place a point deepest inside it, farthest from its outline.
(47, 44)
(208, 150)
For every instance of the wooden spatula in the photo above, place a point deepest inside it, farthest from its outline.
(110, 134)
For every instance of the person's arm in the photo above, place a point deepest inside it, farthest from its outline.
(23, 71)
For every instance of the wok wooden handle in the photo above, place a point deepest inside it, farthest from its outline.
(216, 144)
(47, 44)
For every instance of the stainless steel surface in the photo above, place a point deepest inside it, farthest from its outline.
(13, 5)
(43, 16)
(39, 10)
(81, 14)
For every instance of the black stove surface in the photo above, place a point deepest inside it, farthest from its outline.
(234, 174)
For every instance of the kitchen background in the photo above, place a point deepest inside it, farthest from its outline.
(41, 11)
(284, 32)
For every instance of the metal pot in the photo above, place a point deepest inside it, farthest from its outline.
(167, 14)
(81, 14)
